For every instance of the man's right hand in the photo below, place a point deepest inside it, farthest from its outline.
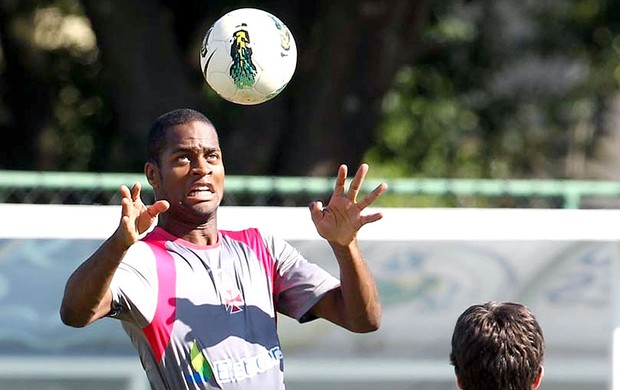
(136, 216)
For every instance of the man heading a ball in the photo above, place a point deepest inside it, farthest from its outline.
(198, 303)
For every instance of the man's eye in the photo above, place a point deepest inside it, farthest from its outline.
(184, 159)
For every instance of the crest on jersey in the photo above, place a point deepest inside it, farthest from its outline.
(233, 300)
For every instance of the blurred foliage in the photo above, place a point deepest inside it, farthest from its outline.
(497, 89)
(503, 89)
(62, 59)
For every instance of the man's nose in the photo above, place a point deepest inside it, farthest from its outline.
(201, 167)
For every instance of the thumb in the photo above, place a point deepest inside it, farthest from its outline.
(158, 207)
(316, 210)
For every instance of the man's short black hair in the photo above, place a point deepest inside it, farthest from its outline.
(155, 140)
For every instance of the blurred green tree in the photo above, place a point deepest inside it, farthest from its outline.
(506, 89)
(145, 61)
(459, 88)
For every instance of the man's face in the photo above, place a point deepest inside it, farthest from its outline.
(190, 173)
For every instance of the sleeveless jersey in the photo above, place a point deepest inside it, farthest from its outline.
(204, 317)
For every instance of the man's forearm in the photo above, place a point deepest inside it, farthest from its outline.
(360, 296)
(86, 297)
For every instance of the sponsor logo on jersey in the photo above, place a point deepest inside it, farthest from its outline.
(202, 369)
(229, 370)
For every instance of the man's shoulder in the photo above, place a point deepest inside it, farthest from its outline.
(244, 234)
(138, 252)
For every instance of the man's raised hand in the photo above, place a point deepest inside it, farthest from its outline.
(136, 217)
(341, 219)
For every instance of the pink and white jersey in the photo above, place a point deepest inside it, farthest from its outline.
(204, 317)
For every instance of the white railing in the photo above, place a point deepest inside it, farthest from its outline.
(370, 371)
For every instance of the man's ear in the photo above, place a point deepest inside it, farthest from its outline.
(151, 172)
(538, 379)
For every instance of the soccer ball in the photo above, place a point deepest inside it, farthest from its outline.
(248, 56)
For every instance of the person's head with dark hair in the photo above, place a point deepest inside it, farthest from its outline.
(184, 166)
(156, 136)
(497, 346)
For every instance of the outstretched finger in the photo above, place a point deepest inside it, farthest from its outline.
(126, 213)
(135, 192)
(340, 181)
(125, 206)
(370, 218)
(372, 196)
(124, 191)
(356, 183)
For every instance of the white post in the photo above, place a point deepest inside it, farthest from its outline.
(615, 304)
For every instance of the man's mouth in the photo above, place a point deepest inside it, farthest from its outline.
(200, 191)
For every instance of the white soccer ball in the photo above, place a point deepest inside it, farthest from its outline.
(248, 56)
